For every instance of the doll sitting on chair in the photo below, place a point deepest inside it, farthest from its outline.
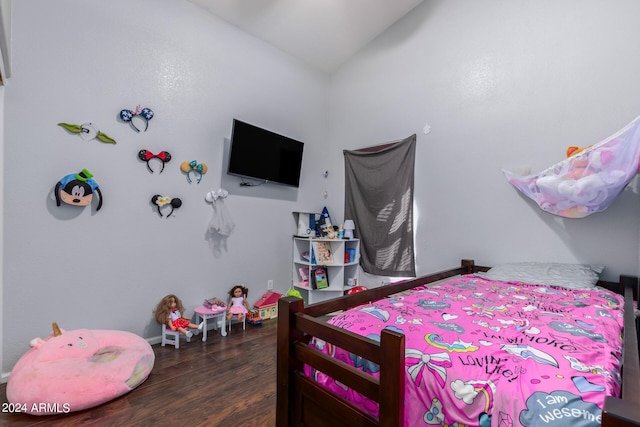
(169, 311)
(238, 305)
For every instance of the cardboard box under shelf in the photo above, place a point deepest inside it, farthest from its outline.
(267, 305)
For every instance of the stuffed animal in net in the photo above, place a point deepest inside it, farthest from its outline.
(589, 180)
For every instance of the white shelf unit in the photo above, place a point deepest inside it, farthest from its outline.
(338, 273)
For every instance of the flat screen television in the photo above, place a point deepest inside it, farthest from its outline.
(264, 155)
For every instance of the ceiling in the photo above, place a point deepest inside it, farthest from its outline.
(322, 33)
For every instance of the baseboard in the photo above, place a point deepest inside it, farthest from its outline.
(154, 340)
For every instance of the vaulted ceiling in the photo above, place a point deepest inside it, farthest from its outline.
(323, 33)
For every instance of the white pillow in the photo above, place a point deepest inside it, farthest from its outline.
(571, 276)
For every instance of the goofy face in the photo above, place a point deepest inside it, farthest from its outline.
(77, 193)
(77, 189)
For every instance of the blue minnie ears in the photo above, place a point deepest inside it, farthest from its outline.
(145, 114)
(198, 169)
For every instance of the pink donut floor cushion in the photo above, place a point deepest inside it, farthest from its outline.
(75, 370)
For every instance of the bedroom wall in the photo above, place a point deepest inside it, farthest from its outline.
(76, 61)
(501, 84)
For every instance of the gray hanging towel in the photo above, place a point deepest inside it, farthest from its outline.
(379, 199)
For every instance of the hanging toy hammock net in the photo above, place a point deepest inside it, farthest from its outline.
(588, 181)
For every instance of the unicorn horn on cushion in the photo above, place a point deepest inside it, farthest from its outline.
(39, 342)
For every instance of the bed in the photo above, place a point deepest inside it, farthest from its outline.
(305, 369)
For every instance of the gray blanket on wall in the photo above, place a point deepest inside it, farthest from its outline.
(379, 199)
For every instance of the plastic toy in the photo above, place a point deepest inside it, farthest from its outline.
(253, 317)
(294, 293)
(267, 305)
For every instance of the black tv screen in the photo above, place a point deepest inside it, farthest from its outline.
(264, 155)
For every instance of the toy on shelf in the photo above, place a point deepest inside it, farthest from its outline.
(324, 227)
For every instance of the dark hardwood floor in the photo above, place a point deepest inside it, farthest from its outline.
(226, 381)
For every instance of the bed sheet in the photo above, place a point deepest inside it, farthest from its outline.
(489, 353)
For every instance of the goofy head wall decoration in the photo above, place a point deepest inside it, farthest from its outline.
(77, 189)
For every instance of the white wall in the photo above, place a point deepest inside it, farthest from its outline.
(501, 84)
(85, 60)
(5, 38)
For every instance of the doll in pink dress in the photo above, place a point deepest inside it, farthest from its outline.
(238, 305)
(169, 311)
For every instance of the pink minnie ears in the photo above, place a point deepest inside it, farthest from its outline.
(145, 114)
(161, 201)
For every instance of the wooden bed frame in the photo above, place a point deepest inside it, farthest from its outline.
(302, 402)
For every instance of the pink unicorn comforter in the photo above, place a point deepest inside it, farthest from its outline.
(489, 353)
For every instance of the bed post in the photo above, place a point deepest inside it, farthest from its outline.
(285, 399)
(392, 378)
(469, 265)
(625, 412)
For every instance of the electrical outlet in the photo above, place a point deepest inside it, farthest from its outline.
(269, 284)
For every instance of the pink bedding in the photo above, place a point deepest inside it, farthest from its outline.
(489, 353)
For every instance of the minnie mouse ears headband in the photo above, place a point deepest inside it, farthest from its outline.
(214, 195)
(198, 168)
(161, 201)
(145, 114)
(146, 155)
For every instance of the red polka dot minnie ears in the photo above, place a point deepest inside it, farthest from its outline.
(146, 155)
(145, 114)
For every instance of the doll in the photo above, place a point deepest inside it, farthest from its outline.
(238, 304)
(169, 311)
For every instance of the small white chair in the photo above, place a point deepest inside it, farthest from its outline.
(172, 337)
(244, 322)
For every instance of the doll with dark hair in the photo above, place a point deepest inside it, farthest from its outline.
(169, 311)
(238, 305)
